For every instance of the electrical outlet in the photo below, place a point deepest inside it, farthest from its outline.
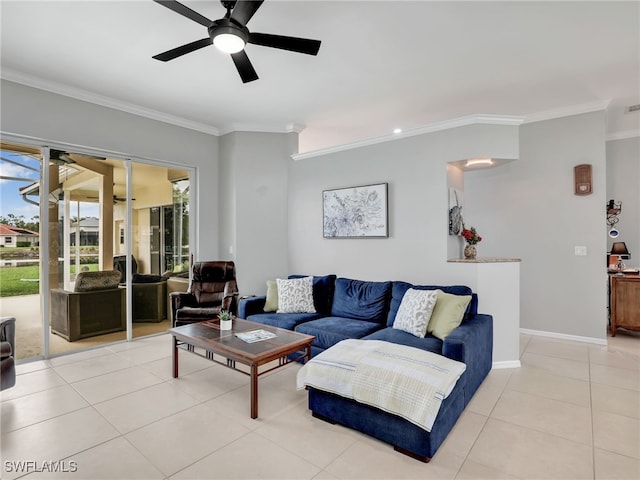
(580, 251)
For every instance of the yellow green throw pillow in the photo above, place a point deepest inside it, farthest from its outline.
(271, 304)
(447, 314)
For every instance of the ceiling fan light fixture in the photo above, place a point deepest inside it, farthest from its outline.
(228, 36)
(228, 42)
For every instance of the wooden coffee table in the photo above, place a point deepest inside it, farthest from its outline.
(208, 336)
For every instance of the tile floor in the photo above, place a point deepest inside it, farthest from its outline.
(571, 411)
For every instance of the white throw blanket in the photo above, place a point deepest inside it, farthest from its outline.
(406, 381)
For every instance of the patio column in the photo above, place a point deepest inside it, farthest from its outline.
(54, 227)
(106, 220)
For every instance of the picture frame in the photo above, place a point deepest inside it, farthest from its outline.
(356, 212)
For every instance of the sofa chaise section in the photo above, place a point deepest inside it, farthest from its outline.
(470, 343)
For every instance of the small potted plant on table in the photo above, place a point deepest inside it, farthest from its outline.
(225, 319)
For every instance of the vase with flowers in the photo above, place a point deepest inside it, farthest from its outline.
(471, 236)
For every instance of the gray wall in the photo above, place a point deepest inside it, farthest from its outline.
(253, 188)
(623, 184)
(527, 209)
(416, 171)
(524, 209)
(51, 117)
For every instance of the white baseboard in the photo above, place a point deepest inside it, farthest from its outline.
(564, 336)
(506, 364)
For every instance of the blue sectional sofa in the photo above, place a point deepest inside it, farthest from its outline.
(347, 308)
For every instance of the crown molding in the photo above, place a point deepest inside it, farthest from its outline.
(91, 97)
(487, 119)
(238, 127)
(480, 119)
(567, 111)
(622, 135)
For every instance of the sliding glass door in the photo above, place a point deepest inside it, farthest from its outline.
(115, 230)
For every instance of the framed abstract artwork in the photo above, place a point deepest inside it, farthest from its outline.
(356, 212)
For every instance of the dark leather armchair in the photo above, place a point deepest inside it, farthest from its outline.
(7, 352)
(213, 288)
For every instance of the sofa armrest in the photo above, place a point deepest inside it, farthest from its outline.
(472, 344)
(251, 306)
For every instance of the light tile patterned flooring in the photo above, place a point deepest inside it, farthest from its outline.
(571, 411)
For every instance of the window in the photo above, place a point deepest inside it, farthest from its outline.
(8, 239)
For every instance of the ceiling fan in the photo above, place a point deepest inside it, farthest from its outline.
(116, 199)
(59, 157)
(230, 35)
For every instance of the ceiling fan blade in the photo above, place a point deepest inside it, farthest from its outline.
(185, 11)
(182, 50)
(293, 44)
(244, 10)
(243, 64)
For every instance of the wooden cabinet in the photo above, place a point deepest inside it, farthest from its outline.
(625, 302)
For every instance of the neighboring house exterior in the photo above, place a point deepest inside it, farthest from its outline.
(89, 230)
(14, 236)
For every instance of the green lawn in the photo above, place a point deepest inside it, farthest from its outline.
(24, 280)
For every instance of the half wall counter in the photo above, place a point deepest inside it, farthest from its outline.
(497, 282)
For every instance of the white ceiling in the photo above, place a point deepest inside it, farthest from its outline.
(382, 64)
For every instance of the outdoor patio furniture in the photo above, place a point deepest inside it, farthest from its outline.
(149, 298)
(175, 283)
(95, 307)
(120, 264)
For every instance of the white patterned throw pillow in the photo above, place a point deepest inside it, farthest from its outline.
(415, 311)
(295, 295)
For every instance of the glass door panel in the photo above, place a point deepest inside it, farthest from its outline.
(20, 245)
(156, 246)
(86, 301)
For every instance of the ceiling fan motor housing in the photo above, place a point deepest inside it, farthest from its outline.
(230, 27)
